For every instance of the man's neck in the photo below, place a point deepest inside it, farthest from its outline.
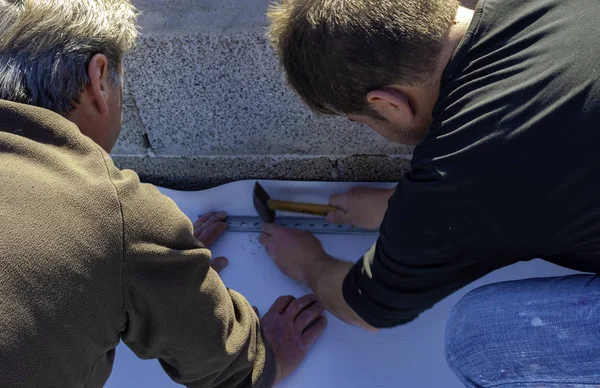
(457, 32)
(424, 97)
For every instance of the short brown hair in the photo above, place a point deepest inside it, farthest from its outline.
(334, 52)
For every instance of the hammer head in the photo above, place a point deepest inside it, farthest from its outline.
(261, 204)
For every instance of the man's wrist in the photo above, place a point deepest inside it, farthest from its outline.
(326, 279)
(318, 270)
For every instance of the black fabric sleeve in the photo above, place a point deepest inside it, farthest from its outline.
(434, 240)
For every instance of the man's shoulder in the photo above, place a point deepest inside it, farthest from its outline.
(61, 246)
(53, 177)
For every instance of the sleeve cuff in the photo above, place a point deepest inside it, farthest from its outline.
(267, 379)
(362, 298)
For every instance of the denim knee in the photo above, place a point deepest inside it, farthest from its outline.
(516, 333)
(465, 341)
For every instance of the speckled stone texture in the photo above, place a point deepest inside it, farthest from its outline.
(197, 173)
(205, 103)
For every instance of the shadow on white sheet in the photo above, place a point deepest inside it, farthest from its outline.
(409, 356)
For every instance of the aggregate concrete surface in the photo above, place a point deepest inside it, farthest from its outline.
(206, 103)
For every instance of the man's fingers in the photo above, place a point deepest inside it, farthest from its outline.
(299, 305)
(212, 233)
(207, 221)
(271, 229)
(313, 332)
(337, 217)
(308, 316)
(202, 219)
(339, 200)
(219, 263)
(264, 239)
(281, 304)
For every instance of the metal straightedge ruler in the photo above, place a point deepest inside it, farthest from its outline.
(251, 224)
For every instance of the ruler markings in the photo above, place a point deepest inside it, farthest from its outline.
(315, 225)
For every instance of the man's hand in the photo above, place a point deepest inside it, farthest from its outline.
(363, 207)
(218, 263)
(290, 327)
(300, 255)
(296, 253)
(209, 227)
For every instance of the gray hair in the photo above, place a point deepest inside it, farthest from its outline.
(46, 47)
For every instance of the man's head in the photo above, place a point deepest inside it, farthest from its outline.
(364, 59)
(65, 56)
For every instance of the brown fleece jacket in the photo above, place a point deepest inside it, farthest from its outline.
(90, 256)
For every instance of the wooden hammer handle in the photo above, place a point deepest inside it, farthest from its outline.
(304, 208)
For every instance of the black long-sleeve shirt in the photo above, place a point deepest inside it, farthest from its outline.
(510, 170)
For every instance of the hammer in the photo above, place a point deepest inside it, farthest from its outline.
(266, 207)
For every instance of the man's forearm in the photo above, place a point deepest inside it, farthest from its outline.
(326, 280)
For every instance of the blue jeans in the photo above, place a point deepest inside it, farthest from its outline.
(528, 333)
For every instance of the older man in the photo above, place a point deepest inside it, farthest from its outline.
(503, 105)
(88, 255)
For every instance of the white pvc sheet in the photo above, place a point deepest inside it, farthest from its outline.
(409, 356)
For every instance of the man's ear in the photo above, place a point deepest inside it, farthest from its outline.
(97, 89)
(393, 105)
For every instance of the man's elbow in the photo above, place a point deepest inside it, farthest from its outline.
(364, 325)
(382, 320)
